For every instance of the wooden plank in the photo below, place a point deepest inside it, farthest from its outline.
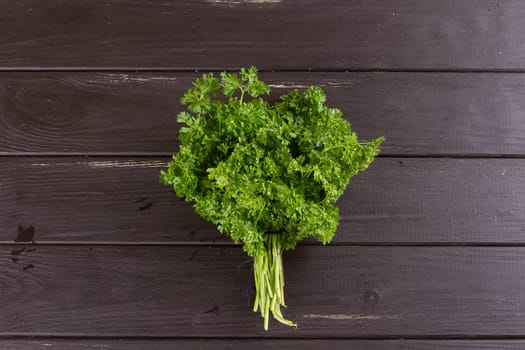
(418, 113)
(400, 200)
(273, 34)
(263, 344)
(396, 292)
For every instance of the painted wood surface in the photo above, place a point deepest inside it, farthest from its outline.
(263, 344)
(272, 34)
(396, 201)
(430, 249)
(127, 291)
(420, 114)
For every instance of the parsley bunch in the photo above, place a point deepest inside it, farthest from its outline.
(266, 174)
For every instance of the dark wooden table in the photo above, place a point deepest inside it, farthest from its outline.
(95, 253)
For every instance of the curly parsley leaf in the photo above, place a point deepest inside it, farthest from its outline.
(268, 175)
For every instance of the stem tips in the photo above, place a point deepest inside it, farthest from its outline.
(269, 281)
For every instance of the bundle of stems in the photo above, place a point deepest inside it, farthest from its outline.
(268, 274)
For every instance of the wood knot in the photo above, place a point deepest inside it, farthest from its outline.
(371, 297)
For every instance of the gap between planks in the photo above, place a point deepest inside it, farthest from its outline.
(262, 70)
(168, 155)
(222, 244)
(407, 337)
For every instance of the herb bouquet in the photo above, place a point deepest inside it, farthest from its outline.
(266, 174)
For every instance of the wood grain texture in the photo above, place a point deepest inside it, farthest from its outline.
(398, 200)
(330, 291)
(130, 113)
(95, 253)
(272, 34)
(262, 344)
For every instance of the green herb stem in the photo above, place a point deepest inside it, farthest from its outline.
(269, 281)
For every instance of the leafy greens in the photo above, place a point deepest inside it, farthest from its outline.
(266, 174)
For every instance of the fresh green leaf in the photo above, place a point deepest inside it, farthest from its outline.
(268, 175)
